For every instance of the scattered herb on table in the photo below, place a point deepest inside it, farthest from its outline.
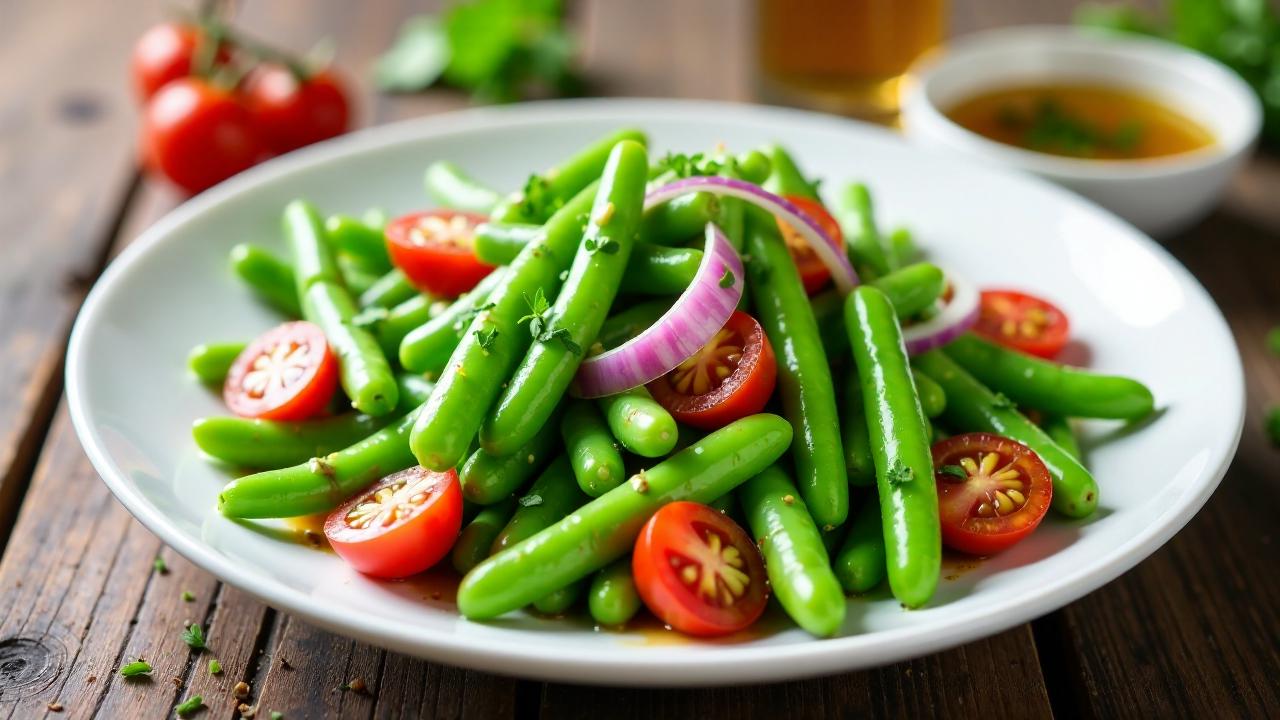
(194, 637)
(215, 667)
(160, 566)
(189, 706)
(135, 668)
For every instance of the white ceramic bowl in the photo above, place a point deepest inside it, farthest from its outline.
(1132, 306)
(1161, 195)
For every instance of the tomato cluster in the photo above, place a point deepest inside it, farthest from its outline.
(210, 113)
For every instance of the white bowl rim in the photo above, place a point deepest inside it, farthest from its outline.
(917, 102)
(744, 664)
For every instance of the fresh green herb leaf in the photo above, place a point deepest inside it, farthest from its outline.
(187, 596)
(215, 667)
(1002, 401)
(538, 307)
(505, 50)
(486, 337)
(901, 474)
(727, 279)
(565, 337)
(697, 164)
(608, 246)
(536, 199)
(464, 320)
(135, 668)
(194, 636)
(530, 500)
(276, 715)
(417, 58)
(160, 565)
(955, 471)
(190, 706)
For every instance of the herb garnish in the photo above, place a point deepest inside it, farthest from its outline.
(135, 668)
(194, 636)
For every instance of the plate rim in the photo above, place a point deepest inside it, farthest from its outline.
(730, 665)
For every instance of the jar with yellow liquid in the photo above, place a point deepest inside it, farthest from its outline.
(844, 56)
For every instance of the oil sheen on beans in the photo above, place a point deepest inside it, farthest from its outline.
(1082, 121)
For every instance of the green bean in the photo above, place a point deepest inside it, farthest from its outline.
(612, 598)
(365, 375)
(489, 478)
(932, 398)
(1058, 428)
(564, 181)
(971, 406)
(857, 218)
(321, 484)
(899, 447)
(1048, 386)
(450, 186)
(388, 291)
(752, 166)
(271, 444)
(594, 456)
(903, 246)
(804, 376)
(558, 602)
(679, 219)
(361, 241)
(499, 243)
(355, 279)
(392, 327)
(854, 435)
(575, 318)
(794, 556)
(639, 423)
(210, 362)
(269, 277)
(785, 177)
(552, 496)
(605, 529)
(911, 289)
(473, 543)
(628, 323)
(859, 566)
(495, 341)
(427, 347)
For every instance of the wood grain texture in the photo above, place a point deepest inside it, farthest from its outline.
(66, 169)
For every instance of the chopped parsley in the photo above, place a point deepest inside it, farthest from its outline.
(160, 565)
(608, 246)
(537, 200)
(215, 667)
(690, 165)
(901, 474)
(486, 337)
(194, 636)
(189, 706)
(955, 471)
(135, 668)
(187, 596)
(564, 337)
(537, 317)
(530, 500)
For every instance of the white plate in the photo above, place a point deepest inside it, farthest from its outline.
(1135, 309)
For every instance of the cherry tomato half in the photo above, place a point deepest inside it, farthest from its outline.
(165, 52)
(813, 273)
(731, 377)
(198, 135)
(698, 571)
(992, 491)
(405, 523)
(1023, 322)
(289, 112)
(435, 251)
(287, 373)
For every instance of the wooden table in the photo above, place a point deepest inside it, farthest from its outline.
(1194, 630)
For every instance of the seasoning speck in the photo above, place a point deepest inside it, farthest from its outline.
(54, 706)
(241, 690)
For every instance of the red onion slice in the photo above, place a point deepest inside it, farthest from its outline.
(697, 315)
(956, 317)
(837, 261)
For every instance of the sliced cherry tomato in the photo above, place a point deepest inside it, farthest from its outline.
(405, 523)
(698, 571)
(289, 112)
(992, 491)
(731, 377)
(198, 135)
(435, 251)
(813, 273)
(287, 373)
(166, 52)
(1023, 322)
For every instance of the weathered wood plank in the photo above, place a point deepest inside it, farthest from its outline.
(66, 166)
